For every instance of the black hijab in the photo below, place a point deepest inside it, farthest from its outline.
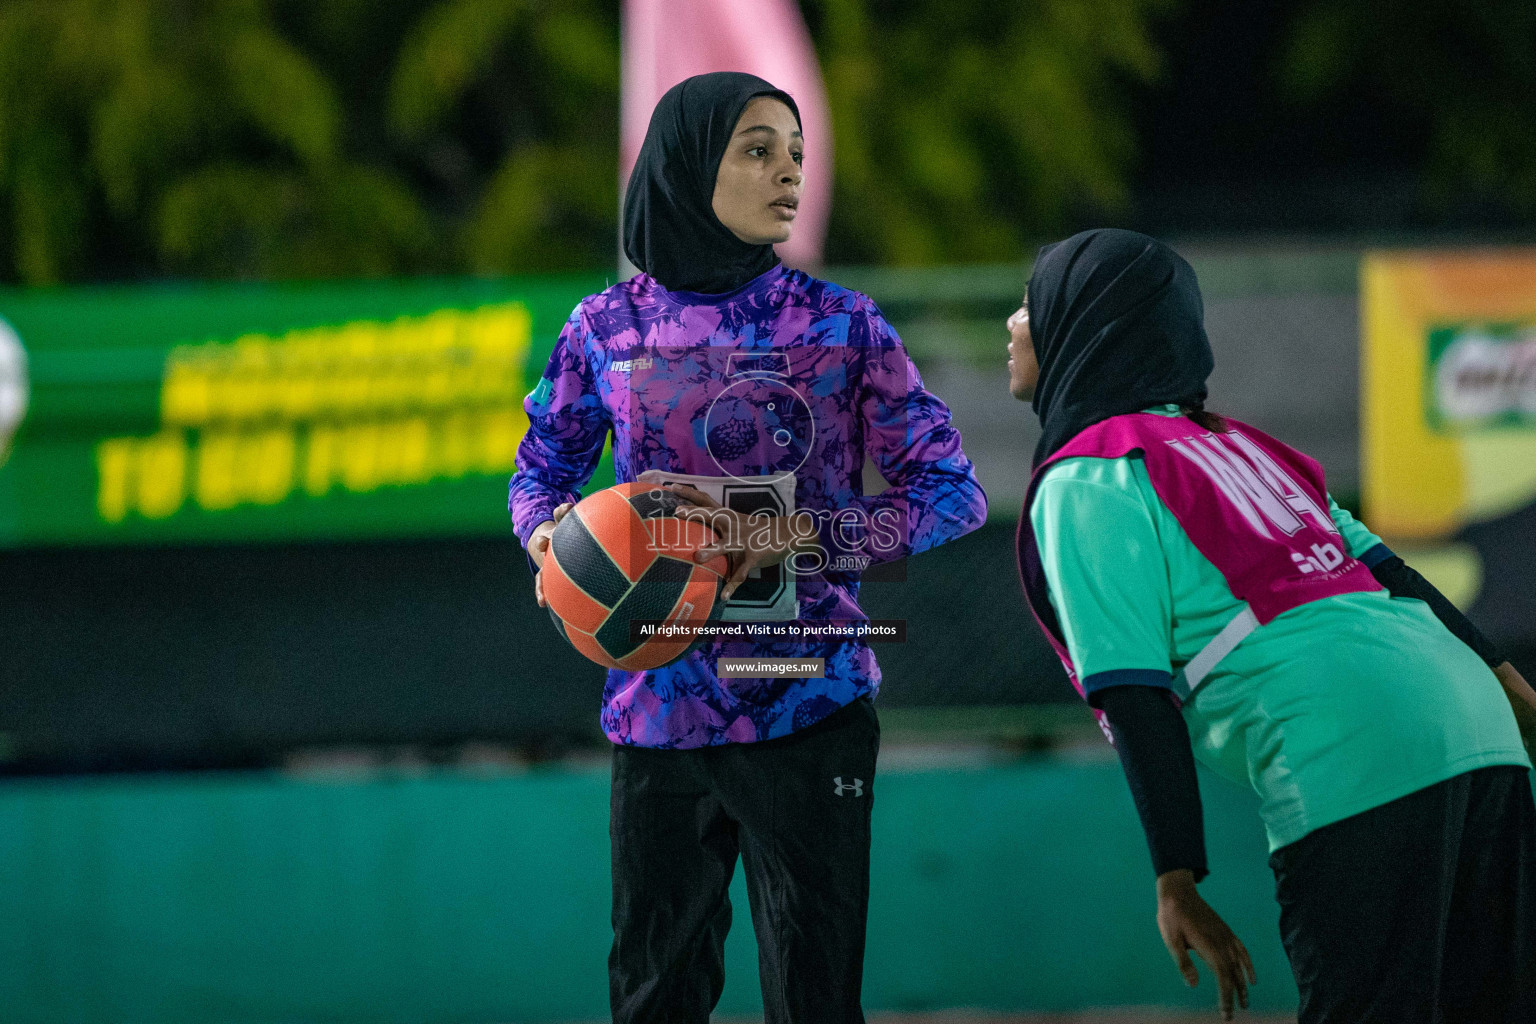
(670, 228)
(1118, 326)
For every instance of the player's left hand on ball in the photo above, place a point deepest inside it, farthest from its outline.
(1187, 923)
(748, 541)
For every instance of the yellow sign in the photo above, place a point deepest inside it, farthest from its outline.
(1448, 389)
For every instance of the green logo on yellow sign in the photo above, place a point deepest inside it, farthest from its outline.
(1481, 376)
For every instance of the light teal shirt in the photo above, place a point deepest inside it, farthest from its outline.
(1330, 709)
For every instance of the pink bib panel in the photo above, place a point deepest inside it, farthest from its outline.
(1257, 508)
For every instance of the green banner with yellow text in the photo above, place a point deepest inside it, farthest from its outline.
(250, 413)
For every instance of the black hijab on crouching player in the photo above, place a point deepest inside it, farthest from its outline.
(1117, 323)
(1118, 326)
(670, 228)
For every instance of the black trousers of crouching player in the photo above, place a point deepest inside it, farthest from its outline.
(797, 811)
(1420, 911)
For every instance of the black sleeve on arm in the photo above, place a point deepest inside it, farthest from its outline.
(1400, 578)
(1159, 764)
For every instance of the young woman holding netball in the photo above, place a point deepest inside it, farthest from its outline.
(1211, 601)
(780, 770)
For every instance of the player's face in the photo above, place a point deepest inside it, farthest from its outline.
(757, 189)
(1023, 368)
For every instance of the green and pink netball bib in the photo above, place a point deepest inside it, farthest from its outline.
(1257, 508)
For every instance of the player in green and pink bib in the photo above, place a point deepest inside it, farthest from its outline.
(1211, 601)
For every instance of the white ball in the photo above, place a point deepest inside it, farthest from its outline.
(13, 386)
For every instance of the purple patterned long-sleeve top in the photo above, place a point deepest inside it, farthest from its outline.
(788, 374)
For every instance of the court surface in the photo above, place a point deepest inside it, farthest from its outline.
(1109, 1015)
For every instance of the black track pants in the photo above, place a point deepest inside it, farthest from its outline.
(797, 811)
(1420, 911)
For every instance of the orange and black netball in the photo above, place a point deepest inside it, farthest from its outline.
(622, 556)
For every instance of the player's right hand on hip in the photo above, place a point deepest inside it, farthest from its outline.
(1187, 922)
(538, 547)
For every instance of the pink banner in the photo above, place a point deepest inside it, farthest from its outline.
(666, 41)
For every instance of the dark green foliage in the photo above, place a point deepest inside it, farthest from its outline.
(962, 129)
(1462, 73)
(290, 138)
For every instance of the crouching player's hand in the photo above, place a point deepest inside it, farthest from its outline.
(538, 547)
(748, 541)
(1523, 699)
(1188, 922)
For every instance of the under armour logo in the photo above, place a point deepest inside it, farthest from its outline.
(857, 787)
